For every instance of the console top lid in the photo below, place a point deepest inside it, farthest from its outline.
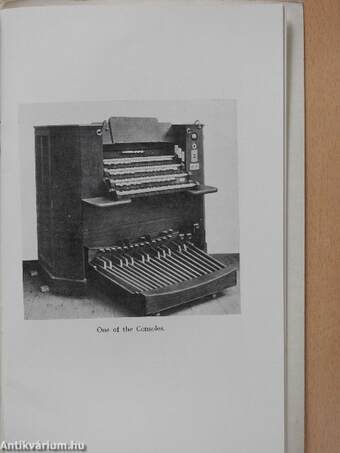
(135, 130)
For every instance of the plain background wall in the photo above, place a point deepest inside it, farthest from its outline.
(220, 155)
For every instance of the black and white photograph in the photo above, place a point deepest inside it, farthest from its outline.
(134, 215)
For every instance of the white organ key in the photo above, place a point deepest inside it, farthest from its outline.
(146, 169)
(146, 179)
(133, 160)
(156, 189)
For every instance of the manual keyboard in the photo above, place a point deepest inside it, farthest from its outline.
(139, 175)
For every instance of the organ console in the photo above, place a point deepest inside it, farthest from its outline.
(121, 204)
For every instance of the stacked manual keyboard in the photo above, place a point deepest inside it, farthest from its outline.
(140, 172)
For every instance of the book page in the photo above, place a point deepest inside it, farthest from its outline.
(205, 375)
